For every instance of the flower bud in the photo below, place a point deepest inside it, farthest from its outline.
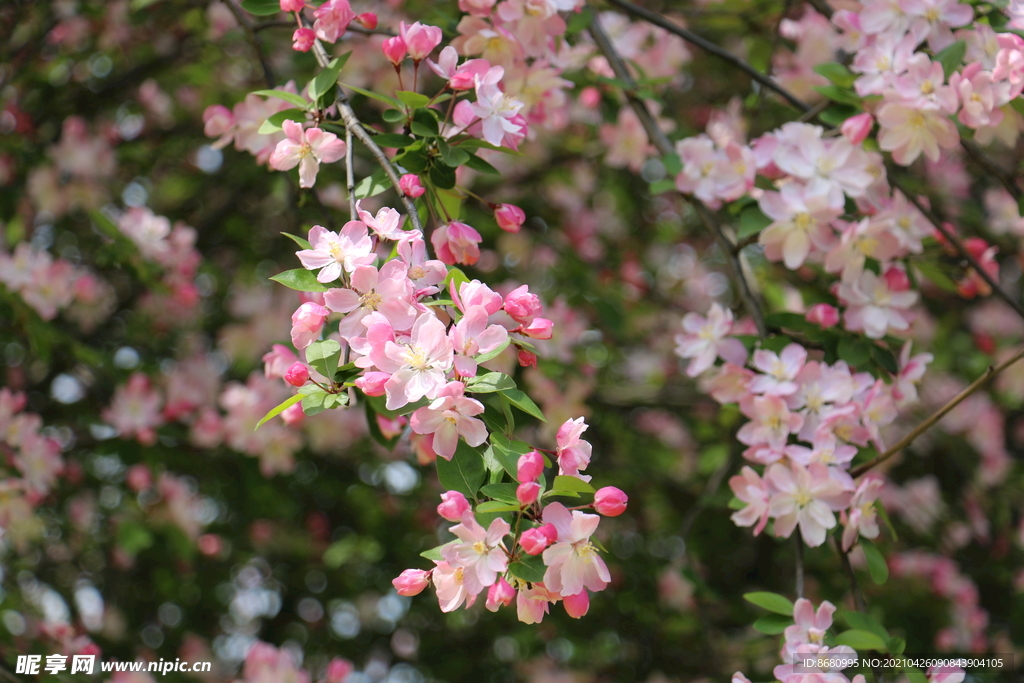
(856, 128)
(576, 606)
(411, 582)
(292, 5)
(367, 20)
(610, 501)
(589, 97)
(534, 541)
(896, 279)
(411, 186)
(499, 594)
(303, 39)
(522, 306)
(527, 359)
(307, 321)
(139, 478)
(420, 39)
(297, 374)
(453, 504)
(824, 315)
(509, 217)
(539, 328)
(372, 383)
(210, 544)
(527, 492)
(394, 50)
(530, 466)
(337, 670)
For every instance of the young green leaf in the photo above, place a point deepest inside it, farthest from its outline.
(298, 100)
(326, 79)
(952, 57)
(323, 356)
(283, 406)
(861, 640)
(301, 280)
(261, 8)
(464, 472)
(773, 624)
(413, 100)
(877, 566)
(773, 602)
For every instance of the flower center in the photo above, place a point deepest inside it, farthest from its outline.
(370, 300)
(480, 548)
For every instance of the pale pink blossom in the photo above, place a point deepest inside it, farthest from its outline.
(481, 554)
(572, 561)
(533, 603)
(534, 541)
(472, 336)
(923, 87)
(135, 409)
(933, 19)
(858, 241)
(873, 308)
(911, 370)
(451, 588)
(425, 273)
(780, 370)
(907, 132)
(805, 497)
(448, 417)
(456, 242)
(800, 223)
(496, 110)
(752, 490)
(332, 19)
(388, 292)
(387, 224)
(977, 95)
(418, 366)
(862, 519)
(830, 167)
(770, 424)
(305, 149)
(883, 60)
(336, 252)
(705, 339)
(307, 321)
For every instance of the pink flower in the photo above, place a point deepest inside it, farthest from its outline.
(770, 424)
(394, 50)
(303, 39)
(804, 496)
(475, 293)
(500, 594)
(530, 466)
(456, 242)
(472, 336)
(135, 410)
(752, 490)
(387, 224)
(292, 5)
(572, 561)
(872, 307)
(367, 20)
(332, 19)
(539, 328)
(572, 452)
(863, 517)
(704, 340)
(334, 252)
(907, 132)
(610, 501)
(823, 314)
(297, 375)
(448, 417)
(388, 292)
(800, 223)
(527, 492)
(577, 606)
(533, 603)
(424, 273)
(523, 306)
(451, 587)
(305, 149)
(923, 87)
(411, 186)
(481, 553)
(411, 582)
(372, 383)
(275, 363)
(534, 541)
(826, 451)
(510, 217)
(857, 128)
(809, 627)
(307, 321)
(780, 371)
(830, 167)
(978, 95)
(496, 110)
(933, 19)
(904, 389)
(418, 366)
(420, 39)
(453, 504)
(949, 674)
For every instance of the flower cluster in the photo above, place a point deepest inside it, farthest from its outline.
(807, 419)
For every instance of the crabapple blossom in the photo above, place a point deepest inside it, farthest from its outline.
(572, 561)
(862, 519)
(453, 505)
(411, 582)
(530, 466)
(800, 223)
(292, 5)
(705, 339)
(448, 417)
(500, 594)
(907, 132)
(456, 242)
(527, 492)
(830, 167)
(303, 39)
(495, 109)
(780, 370)
(394, 50)
(873, 307)
(418, 366)
(387, 291)
(472, 336)
(804, 496)
(297, 374)
(411, 186)
(572, 452)
(534, 541)
(450, 584)
(509, 217)
(335, 252)
(857, 128)
(420, 39)
(307, 321)
(577, 606)
(306, 149)
(610, 501)
(770, 425)
(481, 555)
(749, 488)
(332, 19)
(522, 305)
(911, 370)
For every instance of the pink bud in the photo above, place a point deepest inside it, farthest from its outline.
(576, 606)
(394, 50)
(527, 492)
(303, 39)
(411, 582)
(297, 374)
(411, 186)
(367, 20)
(210, 544)
(896, 279)
(527, 359)
(509, 217)
(610, 501)
(307, 321)
(292, 5)
(539, 328)
(523, 306)
(464, 77)
(139, 478)
(530, 466)
(824, 315)
(372, 383)
(499, 594)
(293, 415)
(453, 504)
(590, 97)
(420, 39)
(856, 128)
(534, 541)
(338, 670)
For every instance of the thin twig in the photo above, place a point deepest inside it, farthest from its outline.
(799, 566)
(977, 384)
(977, 156)
(952, 238)
(747, 241)
(254, 40)
(353, 124)
(355, 28)
(350, 178)
(858, 596)
(664, 146)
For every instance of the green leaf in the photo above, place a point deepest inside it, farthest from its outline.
(662, 186)
(936, 275)
(529, 568)
(298, 100)
(376, 96)
(752, 221)
(273, 124)
(393, 140)
(464, 472)
(298, 240)
(503, 492)
(393, 115)
(736, 504)
(837, 114)
(837, 94)
(885, 519)
(489, 383)
(915, 675)
(133, 537)
(520, 400)
(283, 406)
(952, 57)
(773, 602)
(301, 280)
(497, 506)
(855, 351)
(424, 123)
(313, 403)
(837, 73)
(507, 452)
(323, 356)
(673, 164)
(484, 357)
(790, 321)
(372, 185)
(452, 156)
(435, 552)
(884, 359)
(773, 624)
(861, 640)
(897, 645)
(579, 21)
(261, 8)
(413, 100)
(865, 622)
(877, 566)
(441, 176)
(326, 79)
(481, 166)
(566, 483)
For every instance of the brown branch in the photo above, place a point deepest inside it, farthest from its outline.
(254, 40)
(799, 565)
(977, 384)
(664, 146)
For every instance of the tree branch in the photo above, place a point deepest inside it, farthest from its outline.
(664, 146)
(799, 565)
(254, 40)
(978, 156)
(977, 384)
